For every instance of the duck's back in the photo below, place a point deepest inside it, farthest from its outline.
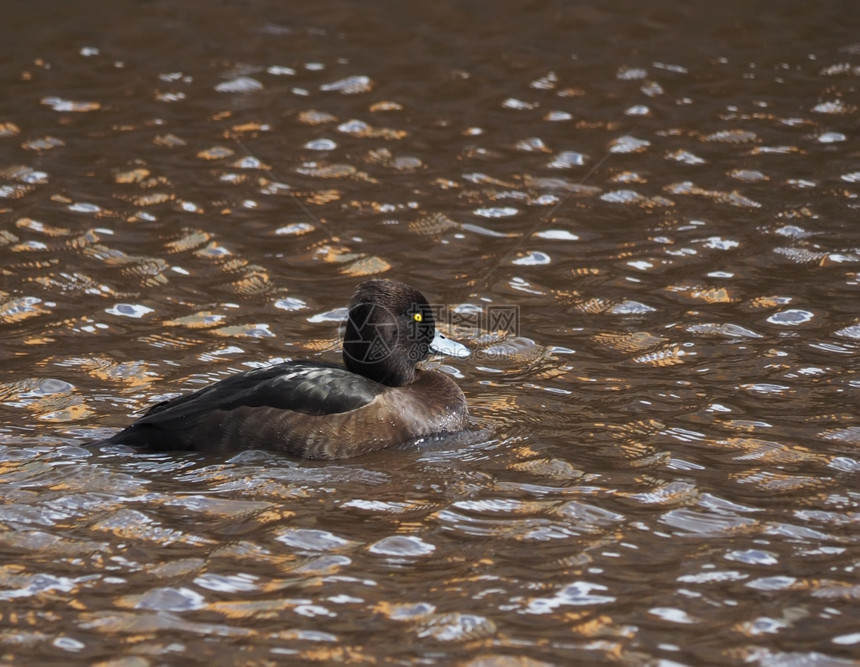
(304, 408)
(300, 387)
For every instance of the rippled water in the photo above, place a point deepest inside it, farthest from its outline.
(642, 220)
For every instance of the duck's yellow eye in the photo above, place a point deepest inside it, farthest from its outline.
(418, 317)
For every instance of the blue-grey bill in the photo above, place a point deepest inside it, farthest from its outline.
(443, 345)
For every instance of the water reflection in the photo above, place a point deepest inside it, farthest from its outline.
(662, 461)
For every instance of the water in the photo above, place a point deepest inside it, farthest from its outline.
(642, 220)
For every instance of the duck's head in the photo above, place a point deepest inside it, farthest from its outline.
(389, 329)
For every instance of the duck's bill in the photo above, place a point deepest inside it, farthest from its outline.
(443, 345)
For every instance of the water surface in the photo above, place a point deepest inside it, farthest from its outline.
(641, 219)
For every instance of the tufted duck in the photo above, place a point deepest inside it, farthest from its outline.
(325, 411)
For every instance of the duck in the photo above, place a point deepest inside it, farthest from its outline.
(378, 398)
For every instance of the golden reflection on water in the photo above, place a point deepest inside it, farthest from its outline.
(662, 458)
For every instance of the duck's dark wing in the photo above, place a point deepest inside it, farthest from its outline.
(300, 386)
